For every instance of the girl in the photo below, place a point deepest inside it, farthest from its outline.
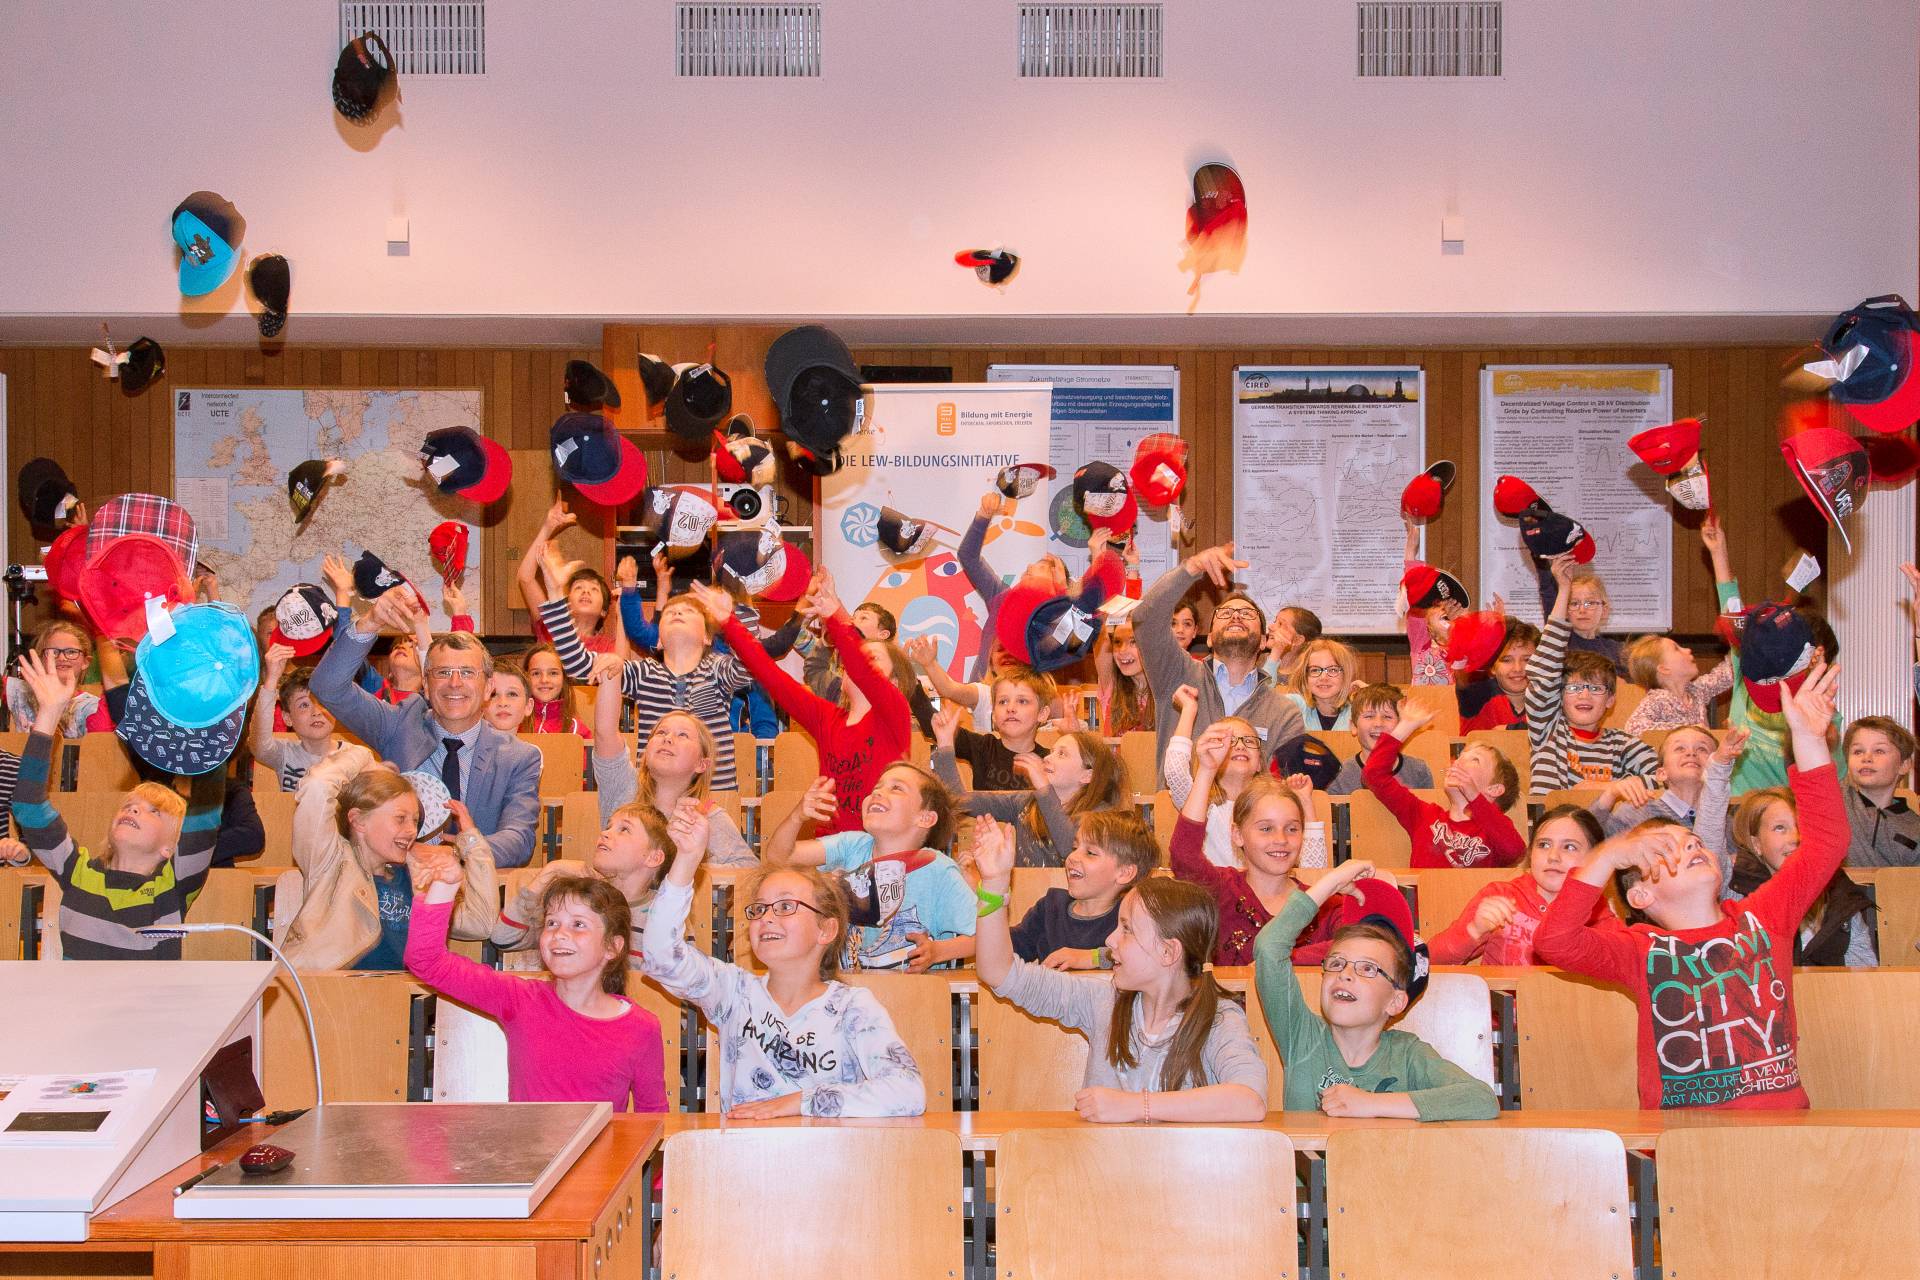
(1429, 628)
(355, 825)
(1271, 835)
(631, 849)
(69, 648)
(1836, 929)
(1677, 694)
(794, 1040)
(1164, 1041)
(676, 764)
(1126, 703)
(1588, 609)
(575, 1037)
(871, 727)
(1080, 774)
(1322, 683)
(551, 711)
(509, 696)
(1186, 630)
(584, 590)
(1498, 923)
(1241, 766)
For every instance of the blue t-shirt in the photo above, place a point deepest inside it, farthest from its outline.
(936, 901)
(395, 889)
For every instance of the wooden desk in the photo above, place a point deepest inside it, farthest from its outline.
(579, 1230)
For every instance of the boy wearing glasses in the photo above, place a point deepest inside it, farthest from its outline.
(1568, 698)
(1343, 1060)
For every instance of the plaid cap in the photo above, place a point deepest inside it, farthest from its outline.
(150, 514)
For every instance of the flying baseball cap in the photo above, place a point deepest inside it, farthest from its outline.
(901, 534)
(361, 75)
(1512, 495)
(431, 791)
(656, 379)
(993, 266)
(461, 461)
(188, 699)
(46, 494)
(1475, 640)
(1219, 198)
(1427, 586)
(122, 576)
(1668, 448)
(1103, 498)
(740, 456)
(373, 579)
(272, 281)
(1420, 500)
(1159, 471)
(447, 548)
(65, 560)
(1833, 469)
(1879, 386)
(1776, 651)
(765, 564)
(1047, 629)
(597, 460)
(586, 388)
(306, 482)
(815, 385)
(700, 400)
(208, 230)
(147, 513)
(303, 619)
(1547, 533)
(1022, 478)
(146, 363)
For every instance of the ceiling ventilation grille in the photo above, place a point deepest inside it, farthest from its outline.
(1430, 40)
(1097, 41)
(746, 40)
(427, 39)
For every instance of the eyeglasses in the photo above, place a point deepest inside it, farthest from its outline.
(1324, 671)
(1585, 604)
(1242, 740)
(1584, 687)
(1237, 612)
(781, 909)
(454, 673)
(1337, 963)
(64, 655)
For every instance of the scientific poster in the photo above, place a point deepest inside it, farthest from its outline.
(1320, 455)
(1564, 430)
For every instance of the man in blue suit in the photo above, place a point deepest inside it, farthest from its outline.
(495, 774)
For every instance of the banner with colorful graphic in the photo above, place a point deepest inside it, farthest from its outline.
(931, 451)
(1564, 430)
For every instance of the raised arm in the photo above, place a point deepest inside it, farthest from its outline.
(527, 574)
(260, 736)
(332, 682)
(784, 845)
(925, 652)
(575, 660)
(993, 847)
(972, 562)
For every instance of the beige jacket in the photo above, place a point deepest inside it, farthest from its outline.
(339, 916)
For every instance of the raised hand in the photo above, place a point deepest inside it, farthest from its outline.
(989, 506)
(1630, 791)
(1562, 566)
(1032, 768)
(1185, 696)
(454, 599)
(558, 518)
(1712, 536)
(1415, 715)
(689, 825)
(1732, 745)
(1810, 710)
(1302, 787)
(715, 603)
(339, 577)
(396, 611)
(993, 849)
(462, 819)
(1215, 564)
(1210, 752)
(276, 660)
(946, 724)
(51, 691)
(626, 572)
(818, 805)
(606, 666)
(924, 650)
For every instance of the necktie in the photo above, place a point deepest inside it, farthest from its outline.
(450, 767)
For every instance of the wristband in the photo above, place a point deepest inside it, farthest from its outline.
(1101, 959)
(990, 901)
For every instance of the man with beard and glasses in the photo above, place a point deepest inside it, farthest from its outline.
(1230, 682)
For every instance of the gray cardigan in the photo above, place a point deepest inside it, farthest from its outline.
(1011, 806)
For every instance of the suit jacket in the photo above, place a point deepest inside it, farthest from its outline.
(502, 789)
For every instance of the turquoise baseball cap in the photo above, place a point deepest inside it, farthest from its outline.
(206, 670)
(208, 230)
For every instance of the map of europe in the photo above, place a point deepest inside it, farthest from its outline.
(231, 454)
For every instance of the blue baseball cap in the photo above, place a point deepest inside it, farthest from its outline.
(597, 460)
(208, 230)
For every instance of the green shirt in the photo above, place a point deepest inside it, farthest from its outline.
(1763, 762)
(1403, 1062)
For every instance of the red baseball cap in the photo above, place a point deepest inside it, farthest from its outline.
(1159, 472)
(1475, 640)
(1420, 500)
(447, 547)
(122, 576)
(1832, 467)
(1669, 448)
(1893, 459)
(1427, 586)
(1512, 495)
(65, 560)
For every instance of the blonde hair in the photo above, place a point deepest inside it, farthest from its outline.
(372, 787)
(1643, 660)
(1218, 794)
(709, 748)
(829, 895)
(83, 641)
(706, 619)
(1588, 578)
(1342, 656)
(162, 798)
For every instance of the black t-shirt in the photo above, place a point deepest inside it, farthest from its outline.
(991, 760)
(1050, 924)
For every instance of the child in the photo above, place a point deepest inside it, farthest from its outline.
(1694, 770)
(1164, 1041)
(1186, 629)
(1587, 611)
(1376, 710)
(311, 725)
(1080, 775)
(1322, 683)
(794, 1041)
(582, 593)
(576, 1038)
(1677, 693)
(551, 711)
(1886, 830)
(1838, 929)
(633, 846)
(1020, 699)
(158, 849)
(675, 762)
(1291, 631)
(1241, 766)
(1720, 1032)
(976, 698)
(1049, 571)
(1344, 1061)
(1428, 628)
(1500, 700)
(1068, 928)
(1568, 696)
(70, 649)
(924, 908)
(1473, 828)
(873, 724)
(1126, 703)
(1271, 834)
(509, 696)
(1499, 922)
(356, 825)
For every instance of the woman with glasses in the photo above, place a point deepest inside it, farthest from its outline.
(1322, 683)
(68, 647)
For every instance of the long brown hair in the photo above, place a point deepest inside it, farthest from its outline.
(1129, 701)
(900, 674)
(1744, 831)
(1102, 791)
(1187, 914)
(605, 901)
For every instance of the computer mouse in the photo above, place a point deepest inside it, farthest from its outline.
(264, 1158)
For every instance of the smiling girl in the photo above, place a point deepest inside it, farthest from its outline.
(547, 683)
(572, 1035)
(1240, 766)
(1322, 683)
(1498, 923)
(69, 649)
(1080, 775)
(1126, 703)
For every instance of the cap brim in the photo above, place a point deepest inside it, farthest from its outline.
(1898, 411)
(302, 648)
(492, 486)
(1820, 500)
(197, 278)
(168, 747)
(627, 482)
(1444, 472)
(792, 583)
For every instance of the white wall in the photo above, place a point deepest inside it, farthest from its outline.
(1650, 157)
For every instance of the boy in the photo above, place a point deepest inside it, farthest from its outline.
(1499, 701)
(628, 855)
(1068, 928)
(1376, 709)
(1568, 696)
(1020, 698)
(1886, 830)
(1344, 1061)
(923, 910)
(312, 727)
(1712, 981)
(1473, 830)
(1694, 770)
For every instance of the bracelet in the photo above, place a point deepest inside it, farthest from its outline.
(1100, 960)
(990, 901)
(1146, 1107)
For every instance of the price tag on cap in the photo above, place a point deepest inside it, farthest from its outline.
(159, 620)
(564, 450)
(441, 467)
(1801, 571)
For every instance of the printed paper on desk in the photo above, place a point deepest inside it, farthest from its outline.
(71, 1110)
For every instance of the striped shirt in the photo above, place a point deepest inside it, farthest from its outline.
(1561, 758)
(101, 907)
(706, 691)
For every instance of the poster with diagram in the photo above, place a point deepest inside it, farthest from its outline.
(1564, 430)
(1320, 455)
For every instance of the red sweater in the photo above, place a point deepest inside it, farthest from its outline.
(1499, 713)
(1714, 1005)
(1514, 942)
(1484, 838)
(555, 717)
(853, 755)
(1242, 914)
